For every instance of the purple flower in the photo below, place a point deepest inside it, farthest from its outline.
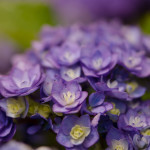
(76, 131)
(21, 82)
(7, 128)
(72, 74)
(133, 35)
(15, 107)
(25, 61)
(132, 88)
(136, 62)
(126, 90)
(97, 104)
(132, 121)
(97, 60)
(50, 36)
(51, 76)
(119, 107)
(67, 96)
(116, 139)
(66, 55)
(109, 90)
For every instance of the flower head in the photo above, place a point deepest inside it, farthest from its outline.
(15, 107)
(67, 96)
(21, 82)
(76, 132)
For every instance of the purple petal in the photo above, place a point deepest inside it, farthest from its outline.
(67, 124)
(96, 99)
(92, 138)
(64, 140)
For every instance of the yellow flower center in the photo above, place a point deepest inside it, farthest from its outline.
(132, 62)
(33, 107)
(71, 73)
(44, 110)
(118, 145)
(69, 97)
(97, 63)
(15, 106)
(76, 132)
(146, 132)
(131, 87)
(115, 111)
(68, 56)
(136, 122)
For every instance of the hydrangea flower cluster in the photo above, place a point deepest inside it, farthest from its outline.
(82, 82)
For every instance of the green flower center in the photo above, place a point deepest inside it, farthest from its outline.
(33, 107)
(115, 111)
(44, 110)
(76, 132)
(119, 147)
(146, 132)
(13, 108)
(131, 87)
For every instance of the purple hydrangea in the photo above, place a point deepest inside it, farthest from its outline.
(116, 139)
(67, 96)
(7, 128)
(119, 107)
(98, 72)
(136, 62)
(76, 132)
(46, 89)
(98, 61)
(21, 81)
(67, 55)
(133, 120)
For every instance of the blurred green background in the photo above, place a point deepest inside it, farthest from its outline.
(21, 20)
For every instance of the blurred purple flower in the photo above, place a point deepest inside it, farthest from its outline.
(46, 89)
(21, 81)
(87, 10)
(97, 60)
